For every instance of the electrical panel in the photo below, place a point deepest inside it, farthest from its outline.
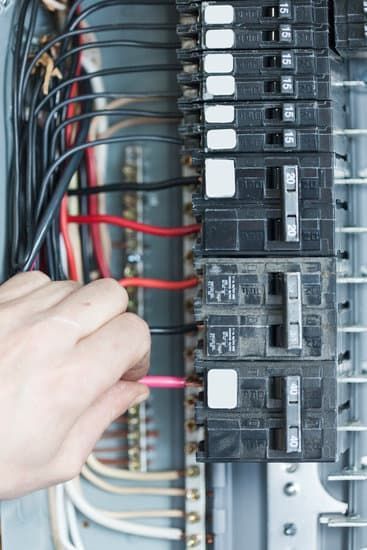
(229, 137)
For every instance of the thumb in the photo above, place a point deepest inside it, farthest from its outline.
(93, 422)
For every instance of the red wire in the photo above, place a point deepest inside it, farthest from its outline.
(159, 284)
(102, 264)
(136, 226)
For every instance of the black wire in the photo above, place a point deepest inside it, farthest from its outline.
(16, 168)
(55, 251)
(112, 72)
(56, 198)
(174, 330)
(106, 112)
(27, 46)
(54, 94)
(89, 30)
(51, 118)
(29, 146)
(75, 153)
(136, 187)
(117, 43)
(83, 229)
(53, 234)
(50, 257)
(56, 178)
(61, 105)
(109, 3)
(86, 145)
(32, 134)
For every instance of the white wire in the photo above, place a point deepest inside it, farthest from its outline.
(73, 490)
(351, 230)
(349, 84)
(53, 519)
(73, 525)
(143, 514)
(350, 181)
(61, 519)
(351, 132)
(141, 490)
(116, 473)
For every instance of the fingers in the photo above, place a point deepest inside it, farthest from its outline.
(91, 425)
(91, 307)
(44, 297)
(22, 284)
(120, 349)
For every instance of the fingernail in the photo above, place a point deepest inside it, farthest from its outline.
(139, 399)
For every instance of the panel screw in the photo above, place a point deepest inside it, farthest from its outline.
(191, 400)
(193, 471)
(191, 425)
(193, 494)
(191, 447)
(291, 489)
(290, 529)
(193, 517)
(193, 541)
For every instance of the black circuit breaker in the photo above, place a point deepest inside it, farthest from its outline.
(268, 411)
(275, 309)
(259, 111)
(266, 230)
(257, 75)
(238, 13)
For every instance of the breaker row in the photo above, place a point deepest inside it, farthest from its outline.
(273, 23)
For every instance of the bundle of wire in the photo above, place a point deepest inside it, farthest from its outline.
(60, 129)
(56, 102)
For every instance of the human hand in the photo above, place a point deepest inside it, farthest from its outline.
(70, 357)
